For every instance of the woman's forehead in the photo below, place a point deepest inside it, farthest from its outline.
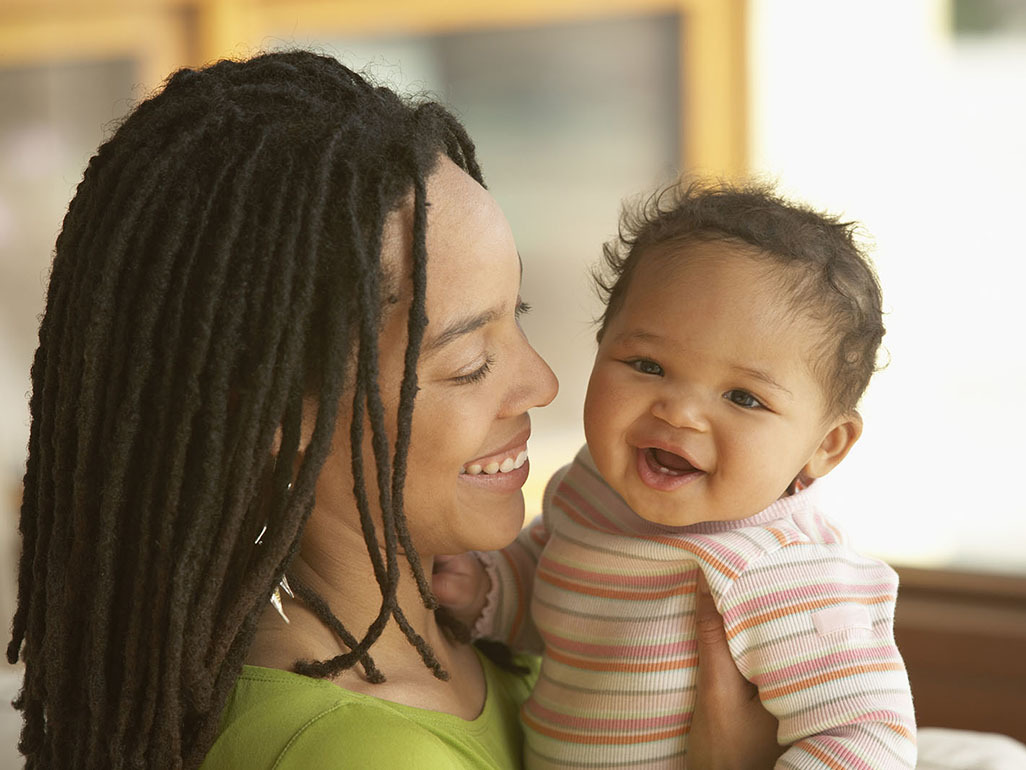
(473, 266)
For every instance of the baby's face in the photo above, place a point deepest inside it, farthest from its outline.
(701, 404)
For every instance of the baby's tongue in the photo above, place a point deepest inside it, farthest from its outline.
(671, 461)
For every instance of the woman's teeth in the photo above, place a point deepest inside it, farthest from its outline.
(507, 465)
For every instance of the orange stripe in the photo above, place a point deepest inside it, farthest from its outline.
(793, 609)
(821, 755)
(615, 739)
(703, 554)
(901, 730)
(827, 677)
(706, 556)
(621, 666)
(609, 593)
(778, 535)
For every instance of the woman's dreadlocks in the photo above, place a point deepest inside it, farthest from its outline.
(219, 263)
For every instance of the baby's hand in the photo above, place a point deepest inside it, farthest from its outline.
(461, 585)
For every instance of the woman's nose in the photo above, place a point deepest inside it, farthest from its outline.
(680, 409)
(545, 383)
(536, 382)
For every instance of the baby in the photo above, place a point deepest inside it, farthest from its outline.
(739, 333)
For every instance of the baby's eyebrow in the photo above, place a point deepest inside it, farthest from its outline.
(763, 376)
(638, 335)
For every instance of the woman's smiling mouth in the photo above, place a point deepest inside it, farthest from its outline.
(503, 471)
(505, 465)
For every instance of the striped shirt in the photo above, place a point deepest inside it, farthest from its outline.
(610, 598)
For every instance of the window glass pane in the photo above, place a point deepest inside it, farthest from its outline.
(568, 120)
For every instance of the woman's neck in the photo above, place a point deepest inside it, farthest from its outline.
(344, 578)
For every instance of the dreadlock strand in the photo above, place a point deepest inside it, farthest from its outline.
(117, 586)
(312, 600)
(158, 491)
(366, 402)
(416, 324)
(255, 418)
(261, 577)
(206, 508)
(71, 566)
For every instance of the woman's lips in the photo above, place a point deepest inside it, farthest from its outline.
(505, 470)
(665, 476)
(504, 462)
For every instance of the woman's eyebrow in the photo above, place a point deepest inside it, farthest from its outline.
(457, 328)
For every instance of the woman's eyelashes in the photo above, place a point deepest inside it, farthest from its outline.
(477, 375)
(482, 371)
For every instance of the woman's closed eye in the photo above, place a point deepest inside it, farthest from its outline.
(475, 376)
(743, 399)
(646, 366)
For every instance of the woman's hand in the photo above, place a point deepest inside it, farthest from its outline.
(730, 729)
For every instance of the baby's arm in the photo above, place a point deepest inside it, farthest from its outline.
(506, 615)
(812, 627)
(491, 591)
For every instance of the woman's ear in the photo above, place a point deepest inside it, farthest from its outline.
(841, 437)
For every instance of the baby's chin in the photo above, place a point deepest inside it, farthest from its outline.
(675, 513)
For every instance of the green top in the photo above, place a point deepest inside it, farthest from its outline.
(277, 719)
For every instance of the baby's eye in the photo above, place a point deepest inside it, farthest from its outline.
(645, 366)
(743, 398)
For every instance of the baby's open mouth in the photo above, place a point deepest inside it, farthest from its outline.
(667, 463)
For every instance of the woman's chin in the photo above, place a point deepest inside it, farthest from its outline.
(497, 530)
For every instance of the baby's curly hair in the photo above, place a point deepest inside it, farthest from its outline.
(825, 273)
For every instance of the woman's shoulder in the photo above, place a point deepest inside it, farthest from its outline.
(280, 720)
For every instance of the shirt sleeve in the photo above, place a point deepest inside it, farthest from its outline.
(812, 626)
(506, 616)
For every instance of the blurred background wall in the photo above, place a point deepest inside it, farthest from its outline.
(907, 116)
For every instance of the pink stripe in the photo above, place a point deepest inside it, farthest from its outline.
(571, 502)
(851, 761)
(631, 724)
(825, 663)
(684, 647)
(793, 596)
(736, 559)
(577, 508)
(627, 581)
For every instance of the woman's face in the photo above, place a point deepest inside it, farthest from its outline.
(477, 377)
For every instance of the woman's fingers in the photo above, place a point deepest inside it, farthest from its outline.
(729, 729)
(718, 676)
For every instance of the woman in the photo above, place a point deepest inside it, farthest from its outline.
(261, 272)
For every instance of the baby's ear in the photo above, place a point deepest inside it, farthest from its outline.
(841, 437)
